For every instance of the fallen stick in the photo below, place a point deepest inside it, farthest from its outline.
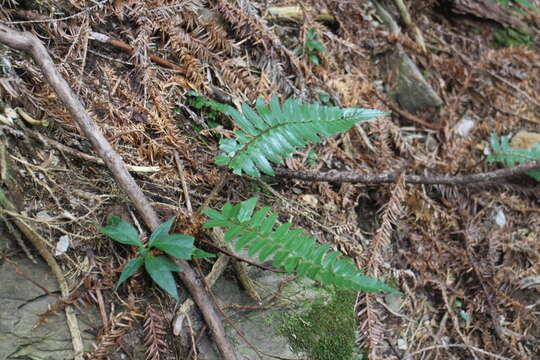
(27, 42)
(357, 178)
(296, 14)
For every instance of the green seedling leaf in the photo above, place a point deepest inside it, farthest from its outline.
(525, 3)
(129, 269)
(314, 59)
(201, 254)
(368, 284)
(213, 214)
(121, 231)
(318, 46)
(160, 270)
(246, 210)
(177, 245)
(161, 231)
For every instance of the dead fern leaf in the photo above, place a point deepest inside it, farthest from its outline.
(156, 347)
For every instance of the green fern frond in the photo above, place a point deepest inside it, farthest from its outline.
(268, 134)
(510, 157)
(292, 250)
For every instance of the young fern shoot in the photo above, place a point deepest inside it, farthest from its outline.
(292, 250)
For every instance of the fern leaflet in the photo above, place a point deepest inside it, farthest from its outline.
(503, 152)
(292, 250)
(268, 134)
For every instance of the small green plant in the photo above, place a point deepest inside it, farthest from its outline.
(292, 250)
(200, 102)
(512, 3)
(160, 268)
(505, 37)
(311, 157)
(313, 48)
(509, 156)
(268, 134)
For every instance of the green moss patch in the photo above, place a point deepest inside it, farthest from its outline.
(326, 329)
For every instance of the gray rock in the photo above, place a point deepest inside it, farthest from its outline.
(413, 92)
(260, 327)
(23, 302)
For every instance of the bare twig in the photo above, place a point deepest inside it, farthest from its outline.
(43, 19)
(184, 183)
(29, 43)
(483, 352)
(356, 178)
(407, 20)
(83, 156)
(406, 115)
(129, 49)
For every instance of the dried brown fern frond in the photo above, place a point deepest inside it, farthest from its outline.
(154, 330)
(240, 22)
(383, 142)
(370, 312)
(85, 297)
(195, 70)
(215, 37)
(249, 25)
(181, 40)
(371, 328)
(119, 325)
(237, 77)
(391, 213)
(402, 144)
(141, 57)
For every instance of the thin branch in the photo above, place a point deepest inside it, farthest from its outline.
(106, 39)
(29, 43)
(184, 182)
(356, 178)
(495, 356)
(84, 156)
(405, 114)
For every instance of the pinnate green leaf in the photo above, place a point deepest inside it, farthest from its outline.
(502, 151)
(269, 134)
(292, 250)
(214, 214)
(246, 209)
